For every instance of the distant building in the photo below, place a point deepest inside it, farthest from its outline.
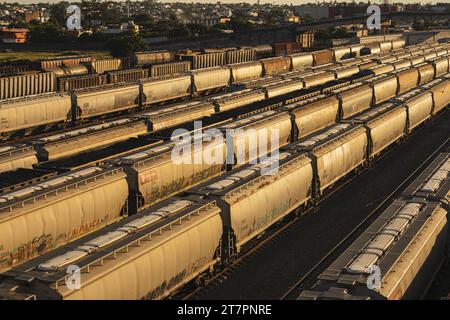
(293, 18)
(29, 16)
(207, 21)
(123, 27)
(14, 35)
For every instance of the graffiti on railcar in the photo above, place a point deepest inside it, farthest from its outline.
(178, 278)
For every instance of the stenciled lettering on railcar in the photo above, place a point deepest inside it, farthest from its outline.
(149, 177)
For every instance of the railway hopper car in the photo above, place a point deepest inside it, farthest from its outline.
(27, 85)
(64, 71)
(237, 99)
(241, 72)
(407, 79)
(385, 46)
(426, 73)
(76, 141)
(353, 99)
(39, 112)
(166, 88)
(130, 75)
(159, 172)
(401, 64)
(367, 65)
(397, 44)
(254, 197)
(430, 55)
(313, 114)
(419, 106)
(145, 58)
(440, 65)
(355, 50)
(318, 79)
(384, 89)
(43, 216)
(407, 243)
(415, 60)
(62, 61)
(433, 183)
(240, 55)
(350, 62)
(282, 87)
(322, 57)
(440, 89)
(386, 59)
(301, 60)
(346, 72)
(385, 125)
(335, 152)
(274, 66)
(341, 53)
(371, 48)
(381, 69)
(250, 137)
(171, 228)
(104, 65)
(18, 156)
(258, 83)
(176, 114)
(88, 103)
(210, 79)
(70, 83)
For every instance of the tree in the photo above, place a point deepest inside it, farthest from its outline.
(58, 12)
(47, 32)
(125, 44)
(197, 29)
(240, 24)
(143, 19)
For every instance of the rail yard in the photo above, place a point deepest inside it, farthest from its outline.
(327, 165)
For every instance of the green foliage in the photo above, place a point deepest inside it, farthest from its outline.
(125, 44)
(58, 12)
(47, 32)
(143, 19)
(240, 24)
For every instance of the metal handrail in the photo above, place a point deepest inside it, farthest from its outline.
(23, 149)
(252, 182)
(10, 205)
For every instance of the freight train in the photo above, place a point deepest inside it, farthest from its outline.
(84, 104)
(312, 101)
(408, 243)
(156, 251)
(22, 116)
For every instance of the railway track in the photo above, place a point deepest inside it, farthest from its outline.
(244, 279)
